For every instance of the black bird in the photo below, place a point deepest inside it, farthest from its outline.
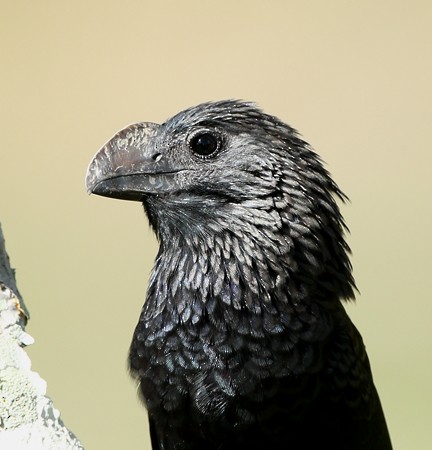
(243, 341)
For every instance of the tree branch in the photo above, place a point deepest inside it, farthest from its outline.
(28, 418)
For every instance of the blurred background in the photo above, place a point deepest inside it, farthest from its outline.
(353, 77)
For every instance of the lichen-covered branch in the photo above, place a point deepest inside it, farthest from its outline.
(28, 419)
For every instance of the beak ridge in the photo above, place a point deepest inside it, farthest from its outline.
(129, 166)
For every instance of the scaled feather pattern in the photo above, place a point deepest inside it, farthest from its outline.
(243, 341)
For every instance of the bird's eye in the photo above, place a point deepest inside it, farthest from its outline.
(204, 144)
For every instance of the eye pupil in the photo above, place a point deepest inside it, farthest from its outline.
(204, 144)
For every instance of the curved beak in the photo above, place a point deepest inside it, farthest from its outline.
(129, 166)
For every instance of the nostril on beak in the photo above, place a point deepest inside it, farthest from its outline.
(157, 157)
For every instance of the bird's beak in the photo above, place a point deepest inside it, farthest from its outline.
(129, 166)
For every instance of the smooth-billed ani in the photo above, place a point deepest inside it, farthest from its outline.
(243, 341)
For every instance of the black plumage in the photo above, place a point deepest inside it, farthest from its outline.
(243, 341)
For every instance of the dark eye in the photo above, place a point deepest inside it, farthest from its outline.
(204, 143)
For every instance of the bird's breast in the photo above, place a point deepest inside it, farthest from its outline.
(213, 371)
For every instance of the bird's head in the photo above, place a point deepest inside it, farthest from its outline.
(220, 150)
(226, 166)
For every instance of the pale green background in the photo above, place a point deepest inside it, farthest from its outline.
(353, 76)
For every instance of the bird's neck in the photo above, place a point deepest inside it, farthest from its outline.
(226, 289)
(237, 268)
(220, 260)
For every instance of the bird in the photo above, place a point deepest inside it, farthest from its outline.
(243, 341)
